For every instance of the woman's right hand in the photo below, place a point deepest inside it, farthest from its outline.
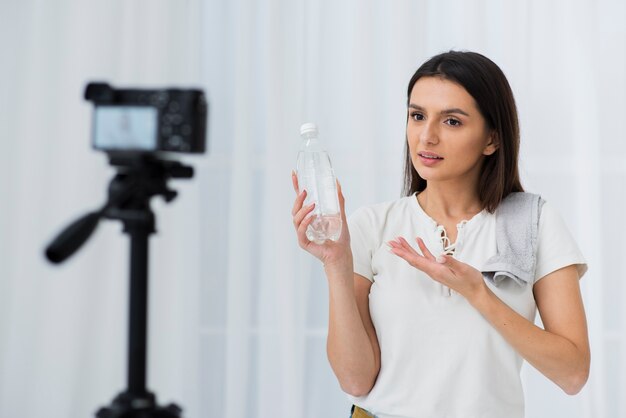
(335, 254)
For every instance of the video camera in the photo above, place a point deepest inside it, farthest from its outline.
(142, 120)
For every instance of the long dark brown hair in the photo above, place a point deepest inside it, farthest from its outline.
(487, 84)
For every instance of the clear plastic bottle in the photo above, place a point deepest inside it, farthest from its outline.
(316, 176)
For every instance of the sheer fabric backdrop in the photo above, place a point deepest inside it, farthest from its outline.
(238, 312)
(63, 329)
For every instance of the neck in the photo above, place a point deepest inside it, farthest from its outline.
(450, 201)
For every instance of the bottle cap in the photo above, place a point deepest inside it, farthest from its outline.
(308, 128)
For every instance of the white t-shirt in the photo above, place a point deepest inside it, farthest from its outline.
(439, 357)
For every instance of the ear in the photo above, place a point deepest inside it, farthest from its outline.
(493, 144)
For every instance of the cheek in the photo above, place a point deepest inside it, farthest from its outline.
(412, 137)
(410, 128)
(472, 147)
(412, 146)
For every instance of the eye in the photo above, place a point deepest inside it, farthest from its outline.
(417, 116)
(453, 122)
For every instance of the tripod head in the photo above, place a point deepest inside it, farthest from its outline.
(139, 178)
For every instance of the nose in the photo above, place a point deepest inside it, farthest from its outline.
(429, 134)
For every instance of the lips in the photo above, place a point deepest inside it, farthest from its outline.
(429, 159)
(431, 155)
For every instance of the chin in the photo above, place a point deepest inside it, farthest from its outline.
(424, 173)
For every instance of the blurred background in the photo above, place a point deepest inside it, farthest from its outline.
(238, 313)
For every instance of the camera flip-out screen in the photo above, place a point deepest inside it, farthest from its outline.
(131, 128)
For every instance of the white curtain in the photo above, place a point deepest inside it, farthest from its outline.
(238, 313)
(63, 328)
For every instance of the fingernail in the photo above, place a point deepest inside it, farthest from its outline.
(440, 259)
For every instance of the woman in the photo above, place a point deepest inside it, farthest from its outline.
(427, 332)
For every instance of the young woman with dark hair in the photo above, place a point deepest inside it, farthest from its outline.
(441, 330)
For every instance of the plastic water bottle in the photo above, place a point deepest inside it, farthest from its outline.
(316, 176)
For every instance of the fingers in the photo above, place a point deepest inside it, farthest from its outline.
(402, 243)
(301, 213)
(424, 250)
(406, 245)
(340, 192)
(301, 221)
(298, 203)
(294, 182)
(400, 247)
(302, 227)
(342, 202)
(403, 249)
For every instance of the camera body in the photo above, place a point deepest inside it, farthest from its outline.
(144, 120)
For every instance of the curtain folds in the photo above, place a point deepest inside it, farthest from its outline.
(238, 312)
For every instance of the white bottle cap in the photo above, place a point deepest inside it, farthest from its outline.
(308, 128)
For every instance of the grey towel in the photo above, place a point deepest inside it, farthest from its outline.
(517, 225)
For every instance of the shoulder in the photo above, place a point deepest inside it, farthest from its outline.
(545, 209)
(516, 199)
(378, 213)
(521, 195)
(552, 223)
(522, 207)
(557, 246)
(525, 206)
(550, 213)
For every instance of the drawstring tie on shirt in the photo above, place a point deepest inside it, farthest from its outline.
(448, 248)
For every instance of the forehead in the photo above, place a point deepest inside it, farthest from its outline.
(439, 93)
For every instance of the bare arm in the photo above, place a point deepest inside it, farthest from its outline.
(352, 345)
(560, 351)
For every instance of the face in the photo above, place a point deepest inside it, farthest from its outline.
(444, 121)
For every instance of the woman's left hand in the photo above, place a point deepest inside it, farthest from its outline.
(458, 276)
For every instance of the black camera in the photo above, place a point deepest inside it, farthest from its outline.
(143, 121)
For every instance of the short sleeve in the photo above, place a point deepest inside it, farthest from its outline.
(359, 223)
(556, 246)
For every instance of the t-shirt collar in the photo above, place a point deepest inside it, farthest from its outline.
(420, 211)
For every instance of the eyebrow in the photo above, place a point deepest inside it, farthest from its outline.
(443, 112)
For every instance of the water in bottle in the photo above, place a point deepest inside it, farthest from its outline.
(316, 176)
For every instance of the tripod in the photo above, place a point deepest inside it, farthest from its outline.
(139, 178)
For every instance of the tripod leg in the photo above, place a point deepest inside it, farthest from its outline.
(137, 331)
